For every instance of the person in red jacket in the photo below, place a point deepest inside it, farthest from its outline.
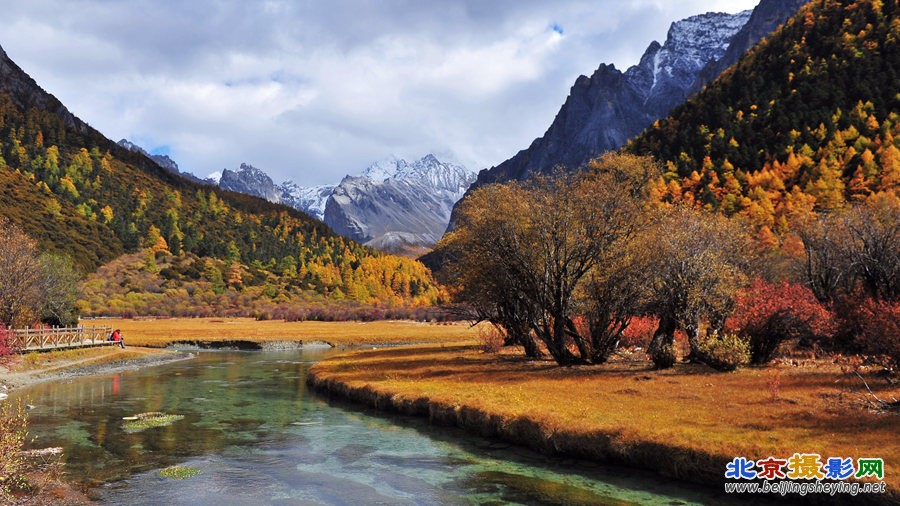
(117, 337)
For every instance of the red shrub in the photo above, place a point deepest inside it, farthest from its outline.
(872, 327)
(639, 331)
(770, 314)
(9, 347)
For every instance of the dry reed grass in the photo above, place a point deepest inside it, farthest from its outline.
(687, 422)
(164, 331)
(81, 357)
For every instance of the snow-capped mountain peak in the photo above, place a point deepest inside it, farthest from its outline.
(606, 109)
(130, 146)
(382, 169)
(394, 204)
(440, 175)
(310, 199)
(428, 170)
(695, 41)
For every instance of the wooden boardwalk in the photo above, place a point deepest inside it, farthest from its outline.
(56, 338)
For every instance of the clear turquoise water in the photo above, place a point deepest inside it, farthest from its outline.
(260, 437)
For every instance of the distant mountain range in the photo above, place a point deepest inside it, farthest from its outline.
(162, 160)
(396, 205)
(393, 205)
(610, 107)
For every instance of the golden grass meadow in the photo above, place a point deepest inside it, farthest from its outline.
(686, 422)
(161, 332)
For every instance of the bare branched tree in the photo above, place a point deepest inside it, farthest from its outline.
(855, 249)
(20, 277)
(34, 287)
(873, 247)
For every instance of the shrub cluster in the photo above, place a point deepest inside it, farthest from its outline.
(726, 352)
(9, 346)
(13, 433)
(491, 339)
(769, 314)
(871, 326)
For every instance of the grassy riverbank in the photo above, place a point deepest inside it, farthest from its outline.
(687, 422)
(37, 367)
(162, 332)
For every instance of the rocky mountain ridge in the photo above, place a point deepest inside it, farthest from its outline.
(766, 17)
(250, 180)
(393, 205)
(605, 110)
(396, 205)
(27, 93)
(162, 160)
(310, 199)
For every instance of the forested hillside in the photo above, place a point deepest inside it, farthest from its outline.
(79, 194)
(764, 215)
(807, 121)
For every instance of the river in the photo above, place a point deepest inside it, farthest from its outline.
(259, 436)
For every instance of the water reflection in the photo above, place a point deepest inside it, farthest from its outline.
(260, 437)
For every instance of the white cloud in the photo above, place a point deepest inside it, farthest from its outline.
(313, 90)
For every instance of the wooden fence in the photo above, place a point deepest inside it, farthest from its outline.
(62, 337)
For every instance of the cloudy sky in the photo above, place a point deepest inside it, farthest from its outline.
(311, 90)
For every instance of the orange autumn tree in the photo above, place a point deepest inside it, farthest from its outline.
(536, 257)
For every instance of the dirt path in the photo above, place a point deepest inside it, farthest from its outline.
(109, 361)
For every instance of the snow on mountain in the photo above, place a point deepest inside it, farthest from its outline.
(693, 42)
(435, 174)
(606, 109)
(383, 169)
(428, 170)
(395, 205)
(130, 146)
(310, 199)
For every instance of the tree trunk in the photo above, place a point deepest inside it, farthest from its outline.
(693, 334)
(524, 338)
(532, 350)
(662, 346)
(716, 326)
(579, 341)
(665, 334)
(555, 340)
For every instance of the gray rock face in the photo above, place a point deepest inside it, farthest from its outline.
(309, 199)
(252, 181)
(605, 110)
(26, 93)
(397, 205)
(394, 205)
(162, 160)
(766, 17)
